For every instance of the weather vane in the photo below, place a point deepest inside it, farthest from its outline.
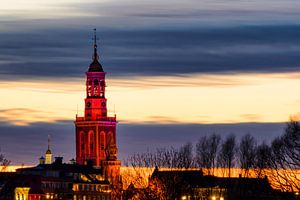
(95, 56)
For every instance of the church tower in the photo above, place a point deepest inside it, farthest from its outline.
(96, 131)
(48, 154)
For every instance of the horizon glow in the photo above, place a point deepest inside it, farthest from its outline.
(198, 98)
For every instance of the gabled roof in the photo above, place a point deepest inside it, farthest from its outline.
(61, 168)
(196, 179)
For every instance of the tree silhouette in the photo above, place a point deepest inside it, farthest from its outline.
(247, 153)
(226, 156)
(206, 152)
(3, 162)
(262, 159)
(286, 157)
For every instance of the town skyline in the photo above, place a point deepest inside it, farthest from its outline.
(200, 69)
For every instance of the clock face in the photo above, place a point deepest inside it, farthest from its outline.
(88, 104)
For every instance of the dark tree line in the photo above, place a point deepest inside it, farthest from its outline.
(4, 163)
(279, 160)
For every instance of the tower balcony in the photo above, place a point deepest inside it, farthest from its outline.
(98, 118)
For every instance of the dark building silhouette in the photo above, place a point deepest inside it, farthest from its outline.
(193, 184)
(56, 181)
(182, 184)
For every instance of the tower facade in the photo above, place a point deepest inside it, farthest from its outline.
(95, 131)
(48, 154)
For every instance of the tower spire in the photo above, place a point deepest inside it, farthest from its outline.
(95, 66)
(48, 142)
(95, 57)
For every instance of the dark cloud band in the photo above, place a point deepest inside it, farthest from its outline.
(141, 137)
(67, 53)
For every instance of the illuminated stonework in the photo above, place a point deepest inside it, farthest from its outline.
(21, 193)
(48, 154)
(96, 142)
(96, 131)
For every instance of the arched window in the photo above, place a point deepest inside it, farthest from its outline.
(102, 88)
(82, 143)
(91, 143)
(111, 139)
(102, 143)
(89, 88)
(96, 88)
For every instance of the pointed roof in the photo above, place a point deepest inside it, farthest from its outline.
(48, 150)
(95, 66)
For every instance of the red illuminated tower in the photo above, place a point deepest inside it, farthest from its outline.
(96, 132)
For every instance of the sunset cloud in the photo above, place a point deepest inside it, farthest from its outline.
(25, 116)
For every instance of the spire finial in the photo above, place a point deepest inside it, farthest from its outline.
(95, 36)
(48, 142)
(95, 57)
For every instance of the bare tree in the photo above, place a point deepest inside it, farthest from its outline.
(226, 156)
(139, 167)
(206, 152)
(185, 156)
(262, 159)
(142, 165)
(4, 163)
(163, 157)
(247, 153)
(286, 157)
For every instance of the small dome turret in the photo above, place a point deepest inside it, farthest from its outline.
(48, 155)
(42, 160)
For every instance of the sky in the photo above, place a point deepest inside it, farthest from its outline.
(176, 70)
